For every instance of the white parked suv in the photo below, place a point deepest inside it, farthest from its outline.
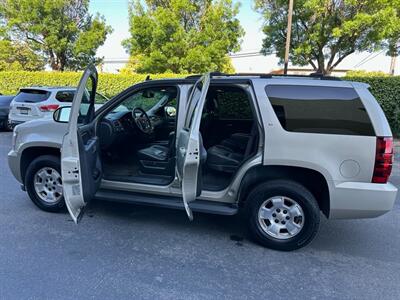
(281, 149)
(33, 103)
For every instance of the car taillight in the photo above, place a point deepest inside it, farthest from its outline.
(50, 107)
(383, 159)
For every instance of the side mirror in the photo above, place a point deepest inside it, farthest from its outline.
(170, 111)
(61, 115)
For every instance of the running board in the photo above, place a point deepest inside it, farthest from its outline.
(203, 206)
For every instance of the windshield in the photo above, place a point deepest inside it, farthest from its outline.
(149, 99)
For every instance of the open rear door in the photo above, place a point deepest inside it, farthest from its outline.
(80, 157)
(190, 150)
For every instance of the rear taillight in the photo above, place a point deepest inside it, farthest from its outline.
(383, 159)
(50, 107)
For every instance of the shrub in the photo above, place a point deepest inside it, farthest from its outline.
(362, 73)
(109, 84)
(387, 91)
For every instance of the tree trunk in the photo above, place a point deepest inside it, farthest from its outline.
(53, 60)
(62, 62)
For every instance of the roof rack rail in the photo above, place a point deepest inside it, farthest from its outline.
(269, 75)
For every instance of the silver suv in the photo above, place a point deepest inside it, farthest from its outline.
(40, 102)
(280, 149)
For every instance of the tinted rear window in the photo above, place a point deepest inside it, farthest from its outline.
(32, 96)
(318, 109)
(65, 96)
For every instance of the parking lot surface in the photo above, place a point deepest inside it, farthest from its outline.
(131, 252)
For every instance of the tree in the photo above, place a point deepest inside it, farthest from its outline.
(17, 57)
(325, 32)
(62, 30)
(183, 36)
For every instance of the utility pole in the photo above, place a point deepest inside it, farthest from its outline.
(288, 36)
(394, 58)
(392, 64)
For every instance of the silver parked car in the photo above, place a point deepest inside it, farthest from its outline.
(282, 149)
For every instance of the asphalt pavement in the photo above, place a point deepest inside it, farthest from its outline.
(122, 251)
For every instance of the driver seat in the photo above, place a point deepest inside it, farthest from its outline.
(154, 152)
(158, 159)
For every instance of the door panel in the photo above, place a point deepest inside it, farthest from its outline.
(190, 145)
(80, 152)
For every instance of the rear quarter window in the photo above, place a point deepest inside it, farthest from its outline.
(320, 109)
(32, 96)
(68, 97)
(65, 96)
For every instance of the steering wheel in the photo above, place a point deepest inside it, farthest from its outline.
(142, 120)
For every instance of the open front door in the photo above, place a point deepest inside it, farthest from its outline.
(80, 152)
(190, 151)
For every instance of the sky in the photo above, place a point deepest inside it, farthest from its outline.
(116, 14)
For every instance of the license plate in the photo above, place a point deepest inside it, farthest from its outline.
(23, 110)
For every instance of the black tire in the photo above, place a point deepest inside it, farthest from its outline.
(38, 163)
(298, 193)
(5, 125)
(8, 126)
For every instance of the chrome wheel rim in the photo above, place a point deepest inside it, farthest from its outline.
(48, 185)
(281, 217)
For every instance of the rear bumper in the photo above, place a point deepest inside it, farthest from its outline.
(18, 119)
(352, 200)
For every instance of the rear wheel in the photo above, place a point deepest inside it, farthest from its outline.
(282, 215)
(44, 185)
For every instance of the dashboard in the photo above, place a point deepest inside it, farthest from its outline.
(119, 125)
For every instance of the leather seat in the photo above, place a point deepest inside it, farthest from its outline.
(154, 152)
(221, 158)
(228, 156)
(237, 142)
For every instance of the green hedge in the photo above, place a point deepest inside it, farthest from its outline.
(109, 84)
(385, 89)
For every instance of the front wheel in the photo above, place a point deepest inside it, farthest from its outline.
(44, 185)
(282, 215)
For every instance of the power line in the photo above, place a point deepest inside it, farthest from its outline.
(363, 59)
(233, 55)
(367, 60)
